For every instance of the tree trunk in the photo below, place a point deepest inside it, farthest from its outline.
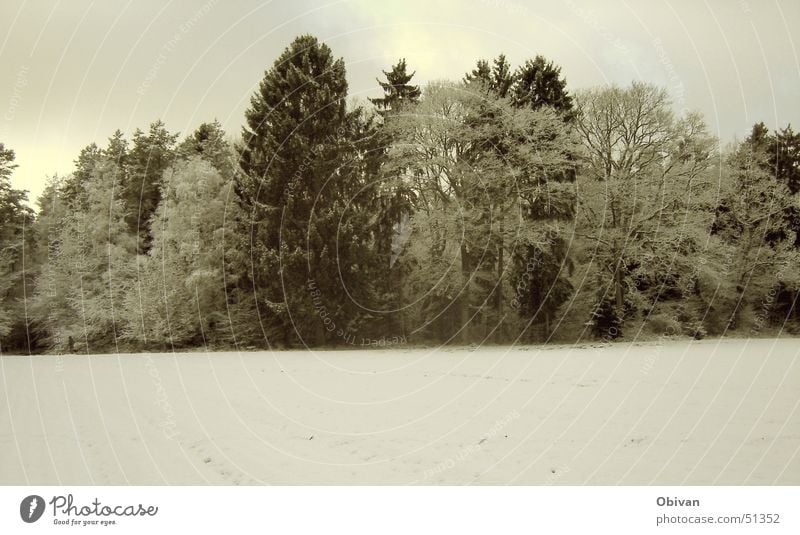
(465, 296)
(319, 332)
(395, 283)
(499, 288)
(618, 282)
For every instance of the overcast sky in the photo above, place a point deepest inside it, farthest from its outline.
(73, 71)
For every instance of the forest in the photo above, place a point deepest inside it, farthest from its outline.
(503, 208)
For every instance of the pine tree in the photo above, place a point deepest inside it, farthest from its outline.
(90, 265)
(143, 170)
(74, 187)
(535, 85)
(498, 78)
(783, 152)
(208, 142)
(749, 220)
(782, 161)
(15, 216)
(482, 72)
(397, 89)
(7, 165)
(538, 84)
(392, 206)
(784, 156)
(117, 149)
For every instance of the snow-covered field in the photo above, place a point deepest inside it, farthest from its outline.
(710, 412)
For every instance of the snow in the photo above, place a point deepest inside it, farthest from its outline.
(709, 412)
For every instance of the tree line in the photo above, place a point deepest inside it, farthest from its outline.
(500, 208)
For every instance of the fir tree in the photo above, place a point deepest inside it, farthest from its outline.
(538, 292)
(539, 83)
(300, 187)
(208, 142)
(498, 78)
(143, 170)
(15, 216)
(89, 267)
(397, 89)
(117, 149)
(74, 187)
(784, 156)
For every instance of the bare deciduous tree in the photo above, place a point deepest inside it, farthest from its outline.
(644, 187)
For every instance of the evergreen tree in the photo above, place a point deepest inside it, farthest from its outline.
(482, 73)
(392, 199)
(7, 164)
(15, 217)
(397, 89)
(751, 213)
(475, 166)
(498, 78)
(299, 187)
(208, 142)
(535, 85)
(539, 83)
(782, 161)
(90, 265)
(143, 170)
(784, 157)
(74, 187)
(117, 149)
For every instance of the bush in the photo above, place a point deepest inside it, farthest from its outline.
(664, 325)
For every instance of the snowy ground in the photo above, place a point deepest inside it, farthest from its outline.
(710, 412)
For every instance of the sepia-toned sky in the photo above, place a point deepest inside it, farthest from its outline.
(73, 71)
